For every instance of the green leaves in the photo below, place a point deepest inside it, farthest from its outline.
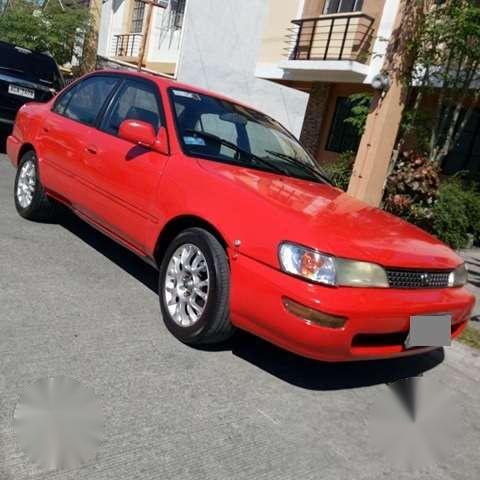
(449, 209)
(446, 54)
(56, 30)
(340, 170)
(456, 213)
(412, 189)
(360, 109)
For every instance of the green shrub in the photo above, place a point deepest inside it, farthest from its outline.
(340, 170)
(412, 189)
(449, 209)
(450, 218)
(473, 211)
(457, 213)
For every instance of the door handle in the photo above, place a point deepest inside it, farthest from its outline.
(91, 149)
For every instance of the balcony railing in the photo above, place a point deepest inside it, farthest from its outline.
(127, 45)
(332, 37)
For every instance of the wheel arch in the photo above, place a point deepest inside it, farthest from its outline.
(178, 224)
(26, 147)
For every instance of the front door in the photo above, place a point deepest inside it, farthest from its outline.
(126, 177)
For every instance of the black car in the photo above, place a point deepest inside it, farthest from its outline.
(25, 76)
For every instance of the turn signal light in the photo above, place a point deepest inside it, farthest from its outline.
(313, 316)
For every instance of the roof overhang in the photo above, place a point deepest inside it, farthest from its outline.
(342, 71)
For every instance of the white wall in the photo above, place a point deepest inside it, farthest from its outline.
(221, 39)
(384, 33)
(111, 23)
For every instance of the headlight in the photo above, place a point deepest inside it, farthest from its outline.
(459, 277)
(322, 268)
(307, 263)
(351, 273)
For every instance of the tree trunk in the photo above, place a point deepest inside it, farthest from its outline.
(448, 142)
(467, 117)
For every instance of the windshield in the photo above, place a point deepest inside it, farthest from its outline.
(216, 129)
(30, 65)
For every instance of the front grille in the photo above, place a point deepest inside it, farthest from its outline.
(417, 279)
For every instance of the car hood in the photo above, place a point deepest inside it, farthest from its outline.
(270, 208)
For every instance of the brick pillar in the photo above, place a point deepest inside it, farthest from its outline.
(314, 117)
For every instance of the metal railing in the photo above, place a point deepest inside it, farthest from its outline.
(127, 45)
(331, 37)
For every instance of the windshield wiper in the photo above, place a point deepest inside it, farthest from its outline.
(298, 163)
(238, 149)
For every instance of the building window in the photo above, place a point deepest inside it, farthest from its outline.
(137, 17)
(178, 7)
(343, 136)
(343, 6)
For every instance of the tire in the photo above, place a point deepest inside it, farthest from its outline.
(34, 205)
(212, 324)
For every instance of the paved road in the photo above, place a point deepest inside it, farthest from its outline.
(73, 303)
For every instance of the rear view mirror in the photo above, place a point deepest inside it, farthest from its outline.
(233, 117)
(143, 133)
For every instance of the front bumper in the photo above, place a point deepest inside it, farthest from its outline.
(378, 319)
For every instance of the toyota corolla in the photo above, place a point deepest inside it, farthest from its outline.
(244, 227)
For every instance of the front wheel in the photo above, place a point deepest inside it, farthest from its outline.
(194, 288)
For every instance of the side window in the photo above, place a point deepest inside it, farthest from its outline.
(62, 101)
(84, 101)
(136, 101)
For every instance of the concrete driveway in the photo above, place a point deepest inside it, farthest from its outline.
(74, 303)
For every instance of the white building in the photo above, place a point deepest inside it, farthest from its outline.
(212, 44)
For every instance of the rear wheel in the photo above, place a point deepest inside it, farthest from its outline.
(194, 288)
(31, 200)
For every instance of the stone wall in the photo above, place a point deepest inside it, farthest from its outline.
(314, 117)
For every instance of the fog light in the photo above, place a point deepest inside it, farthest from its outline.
(313, 316)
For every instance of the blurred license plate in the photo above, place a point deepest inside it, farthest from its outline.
(429, 331)
(21, 91)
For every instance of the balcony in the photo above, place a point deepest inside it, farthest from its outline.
(332, 37)
(127, 45)
(334, 47)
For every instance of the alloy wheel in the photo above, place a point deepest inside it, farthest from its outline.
(187, 285)
(27, 181)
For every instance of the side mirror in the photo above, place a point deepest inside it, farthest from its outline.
(143, 133)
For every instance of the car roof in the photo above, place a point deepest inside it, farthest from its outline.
(170, 82)
(14, 48)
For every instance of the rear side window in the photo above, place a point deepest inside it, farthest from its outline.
(84, 101)
(62, 101)
(136, 100)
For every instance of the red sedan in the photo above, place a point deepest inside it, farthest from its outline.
(244, 227)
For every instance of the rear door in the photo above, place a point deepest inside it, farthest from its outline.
(125, 176)
(68, 132)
